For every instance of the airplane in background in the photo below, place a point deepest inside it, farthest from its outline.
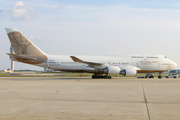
(8, 70)
(101, 66)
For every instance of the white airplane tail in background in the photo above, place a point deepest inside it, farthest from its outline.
(25, 50)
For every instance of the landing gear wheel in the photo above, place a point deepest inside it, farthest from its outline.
(93, 76)
(160, 77)
(97, 76)
(109, 77)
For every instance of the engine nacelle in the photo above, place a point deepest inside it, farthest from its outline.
(128, 72)
(113, 70)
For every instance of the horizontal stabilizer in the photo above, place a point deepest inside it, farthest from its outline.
(21, 57)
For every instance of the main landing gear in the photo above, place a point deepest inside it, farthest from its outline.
(160, 77)
(99, 76)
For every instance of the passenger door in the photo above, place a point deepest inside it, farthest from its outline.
(159, 64)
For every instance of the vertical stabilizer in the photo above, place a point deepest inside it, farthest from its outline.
(24, 50)
(21, 44)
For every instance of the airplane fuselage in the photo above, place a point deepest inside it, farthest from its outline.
(145, 63)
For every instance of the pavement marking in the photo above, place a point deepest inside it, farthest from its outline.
(145, 99)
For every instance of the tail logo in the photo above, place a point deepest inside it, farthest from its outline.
(21, 42)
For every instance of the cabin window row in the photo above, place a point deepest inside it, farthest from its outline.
(119, 63)
(142, 57)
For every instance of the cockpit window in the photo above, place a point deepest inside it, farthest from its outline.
(165, 56)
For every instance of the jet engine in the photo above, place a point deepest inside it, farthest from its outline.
(128, 72)
(111, 70)
(117, 70)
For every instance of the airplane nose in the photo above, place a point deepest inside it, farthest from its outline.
(174, 64)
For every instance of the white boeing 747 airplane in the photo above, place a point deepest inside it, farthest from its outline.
(26, 52)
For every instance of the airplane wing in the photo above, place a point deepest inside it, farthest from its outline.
(91, 64)
(21, 57)
(100, 65)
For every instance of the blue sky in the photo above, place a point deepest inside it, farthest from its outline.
(91, 27)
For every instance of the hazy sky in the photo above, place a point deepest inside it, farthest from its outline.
(93, 27)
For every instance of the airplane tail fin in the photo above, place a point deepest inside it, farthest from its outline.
(25, 50)
(21, 44)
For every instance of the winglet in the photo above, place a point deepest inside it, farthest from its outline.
(75, 59)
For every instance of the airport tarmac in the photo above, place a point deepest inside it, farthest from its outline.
(51, 98)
